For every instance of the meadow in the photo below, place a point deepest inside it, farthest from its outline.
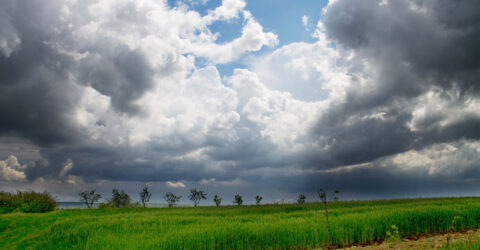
(236, 227)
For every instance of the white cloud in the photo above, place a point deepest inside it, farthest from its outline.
(228, 10)
(282, 119)
(11, 170)
(439, 109)
(308, 71)
(253, 38)
(448, 159)
(305, 22)
(177, 184)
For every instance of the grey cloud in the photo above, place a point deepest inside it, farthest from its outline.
(403, 53)
(410, 47)
(124, 76)
(37, 94)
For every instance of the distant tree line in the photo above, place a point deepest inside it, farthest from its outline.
(120, 199)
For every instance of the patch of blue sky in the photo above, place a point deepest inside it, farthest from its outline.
(284, 17)
(228, 68)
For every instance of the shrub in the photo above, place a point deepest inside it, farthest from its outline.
(28, 202)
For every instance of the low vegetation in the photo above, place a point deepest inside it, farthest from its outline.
(300, 226)
(27, 202)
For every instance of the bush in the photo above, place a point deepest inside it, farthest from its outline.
(27, 202)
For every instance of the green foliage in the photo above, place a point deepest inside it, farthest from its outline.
(258, 198)
(196, 196)
(289, 226)
(392, 235)
(301, 199)
(145, 195)
(89, 197)
(171, 198)
(237, 199)
(217, 200)
(119, 199)
(27, 202)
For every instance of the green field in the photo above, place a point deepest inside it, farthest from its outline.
(235, 227)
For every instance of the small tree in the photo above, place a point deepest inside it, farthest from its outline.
(238, 200)
(119, 199)
(196, 196)
(217, 200)
(171, 198)
(323, 198)
(89, 197)
(301, 199)
(258, 198)
(145, 195)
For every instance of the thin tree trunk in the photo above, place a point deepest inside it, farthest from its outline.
(328, 225)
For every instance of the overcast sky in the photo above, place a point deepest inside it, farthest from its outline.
(376, 98)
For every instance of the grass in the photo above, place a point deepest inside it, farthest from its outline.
(235, 227)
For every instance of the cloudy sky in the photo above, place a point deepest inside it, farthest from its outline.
(376, 98)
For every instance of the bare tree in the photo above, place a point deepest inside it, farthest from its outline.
(238, 200)
(89, 197)
(196, 196)
(258, 198)
(171, 198)
(323, 198)
(217, 200)
(301, 199)
(145, 195)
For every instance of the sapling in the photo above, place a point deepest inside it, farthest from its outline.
(89, 197)
(301, 199)
(323, 198)
(196, 196)
(238, 199)
(258, 198)
(217, 200)
(452, 228)
(171, 198)
(145, 196)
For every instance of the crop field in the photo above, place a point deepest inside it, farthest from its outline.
(236, 227)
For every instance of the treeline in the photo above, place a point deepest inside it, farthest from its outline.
(27, 202)
(120, 199)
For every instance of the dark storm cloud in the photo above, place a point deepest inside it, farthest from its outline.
(35, 89)
(411, 47)
(386, 182)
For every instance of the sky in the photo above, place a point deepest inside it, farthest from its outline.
(378, 99)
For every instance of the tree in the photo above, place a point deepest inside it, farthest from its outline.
(323, 198)
(301, 199)
(145, 195)
(89, 197)
(196, 196)
(258, 198)
(217, 200)
(119, 199)
(171, 198)
(238, 200)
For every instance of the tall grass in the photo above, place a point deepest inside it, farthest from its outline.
(236, 227)
(28, 202)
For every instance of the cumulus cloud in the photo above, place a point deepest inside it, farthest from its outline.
(177, 184)
(397, 75)
(11, 170)
(129, 92)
